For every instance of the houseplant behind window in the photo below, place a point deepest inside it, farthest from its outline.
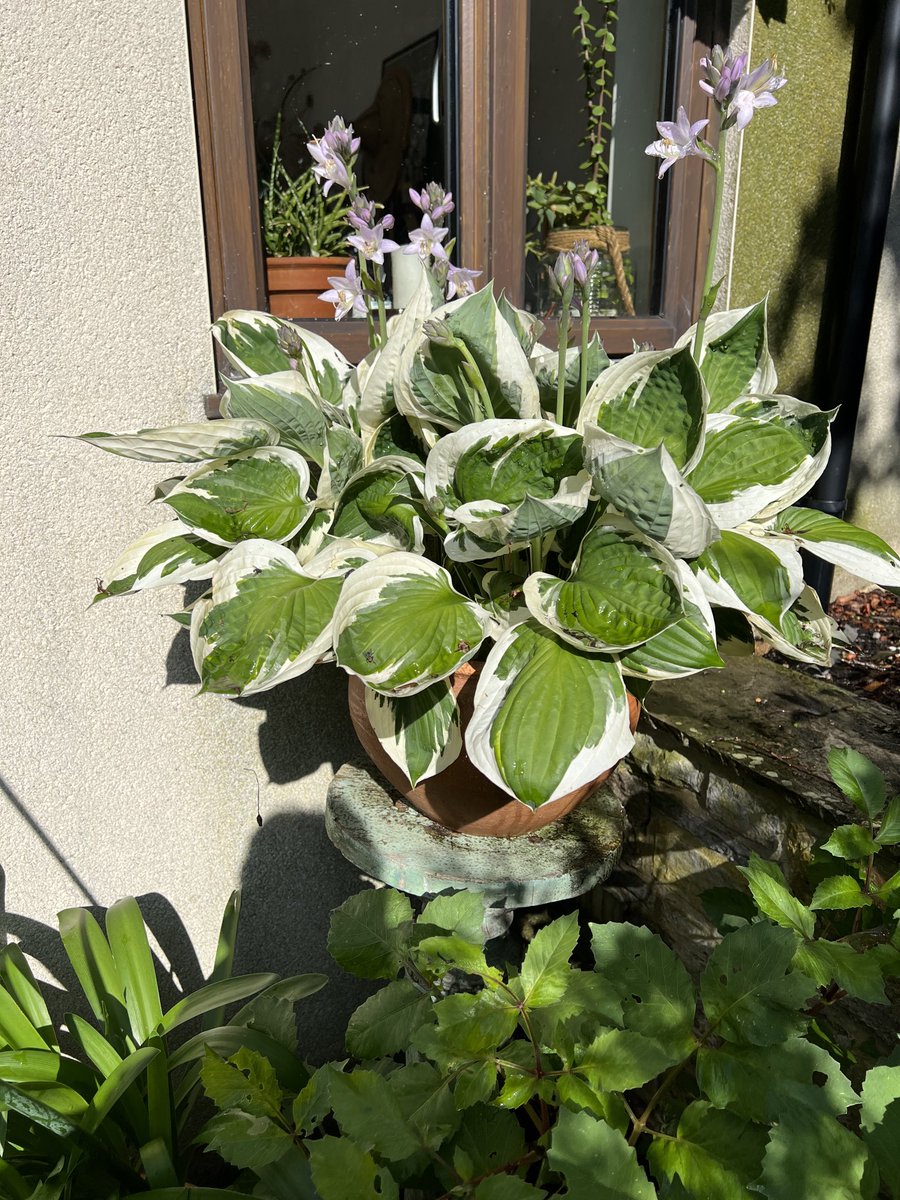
(304, 233)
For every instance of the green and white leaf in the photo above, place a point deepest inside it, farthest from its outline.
(687, 646)
(343, 458)
(503, 483)
(734, 358)
(419, 733)
(375, 504)
(761, 460)
(400, 624)
(267, 620)
(285, 401)
(259, 344)
(805, 633)
(646, 486)
(529, 741)
(474, 370)
(258, 494)
(338, 556)
(186, 443)
(376, 399)
(170, 553)
(751, 575)
(856, 550)
(623, 590)
(545, 364)
(651, 398)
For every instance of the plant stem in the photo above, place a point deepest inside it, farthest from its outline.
(561, 361)
(713, 243)
(366, 289)
(585, 338)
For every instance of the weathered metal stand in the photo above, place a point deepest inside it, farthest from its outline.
(378, 832)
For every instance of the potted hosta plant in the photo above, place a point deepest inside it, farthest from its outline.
(304, 233)
(497, 541)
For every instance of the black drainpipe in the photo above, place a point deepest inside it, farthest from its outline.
(865, 178)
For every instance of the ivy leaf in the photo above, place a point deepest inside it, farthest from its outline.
(748, 994)
(341, 1169)
(880, 1122)
(461, 913)
(384, 1023)
(850, 842)
(246, 1081)
(773, 897)
(366, 935)
(596, 1161)
(810, 1157)
(858, 778)
(367, 1111)
(857, 972)
(245, 1140)
(766, 1083)
(545, 971)
(839, 892)
(655, 989)
(715, 1153)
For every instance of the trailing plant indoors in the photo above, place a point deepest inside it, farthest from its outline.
(102, 1109)
(297, 220)
(468, 493)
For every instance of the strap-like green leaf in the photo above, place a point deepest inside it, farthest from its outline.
(214, 995)
(401, 625)
(623, 590)
(186, 443)
(134, 963)
(17, 978)
(89, 953)
(523, 738)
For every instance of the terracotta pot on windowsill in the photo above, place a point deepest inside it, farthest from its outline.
(460, 797)
(295, 284)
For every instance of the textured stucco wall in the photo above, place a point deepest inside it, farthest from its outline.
(115, 778)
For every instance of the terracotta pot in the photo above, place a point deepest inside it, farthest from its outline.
(295, 284)
(460, 797)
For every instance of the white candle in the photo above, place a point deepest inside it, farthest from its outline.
(406, 271)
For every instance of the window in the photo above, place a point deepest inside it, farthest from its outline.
(487, 66)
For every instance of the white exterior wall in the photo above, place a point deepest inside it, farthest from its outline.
(116, 779)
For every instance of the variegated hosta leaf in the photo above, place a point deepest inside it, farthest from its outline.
(375, 505)
(622, 590)
(805, 631)
(393, 436)
(256, 343)
(170, 553)
(376, 400)
(260, 494)
(839, 542)
(500, 484)
(311, 536)
(267, 620)
(419, 733)
(186, 443)
(343, 458)
(760, 457)
(284, 401)
(400, 625)
(466, 365)
(684, 648)
(337, 556)
(546, 371)
(548, 718)
(735, 359)
(648, 398)
(525, 325)
(647, 487)
(759, 577)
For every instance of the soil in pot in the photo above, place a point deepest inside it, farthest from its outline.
(460, 797)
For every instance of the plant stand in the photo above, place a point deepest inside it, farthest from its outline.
(376, 830)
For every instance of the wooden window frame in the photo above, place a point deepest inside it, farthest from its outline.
(492, 73)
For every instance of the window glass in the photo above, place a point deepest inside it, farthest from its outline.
(379, 64)
(619, 187)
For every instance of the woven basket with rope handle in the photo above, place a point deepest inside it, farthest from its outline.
(611, 241)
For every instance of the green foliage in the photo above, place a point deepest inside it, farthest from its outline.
(297, 220)
(103, 1116)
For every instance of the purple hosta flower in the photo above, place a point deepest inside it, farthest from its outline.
(679, 140)
(722, 73)
(426, 240)
(362, 213)
(584, 263)
(433, 200)
(346, 293)
(754, 91)
(371, 242)
(562, 273)
(333, 155)
(461, 281)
